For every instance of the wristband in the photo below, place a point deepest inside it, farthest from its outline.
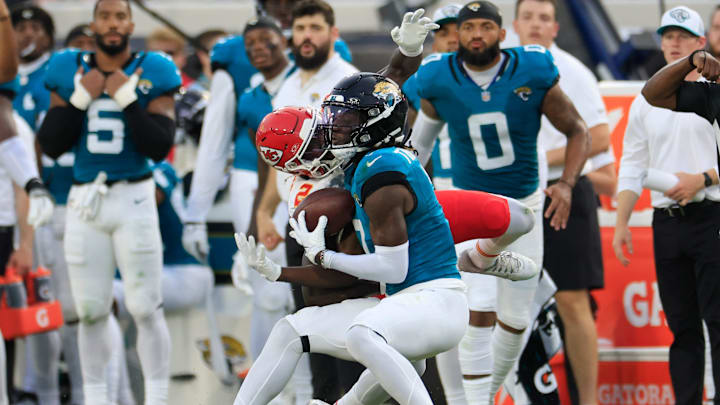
(692, 55)
(33, 184)
(708, 180)
(125, 95)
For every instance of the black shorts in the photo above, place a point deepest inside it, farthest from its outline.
(573, 256)
(6, 246)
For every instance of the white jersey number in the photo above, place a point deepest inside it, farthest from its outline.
(96, 123)
(491, 127)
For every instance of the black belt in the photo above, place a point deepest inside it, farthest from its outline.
(111, 182)
(7, 229)
(689, 209)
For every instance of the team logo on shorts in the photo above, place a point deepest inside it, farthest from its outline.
(680, 15)
(523, 92)
(271, 155)
(388, 92)
(145, 85)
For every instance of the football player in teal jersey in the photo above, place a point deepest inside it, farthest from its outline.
(492, 101)
(233, 74)
(115, 109)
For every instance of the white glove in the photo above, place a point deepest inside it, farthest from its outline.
(313, 242)
(195, 241)
(410, 35)
(239, 274)
(254, 257)
(88, 204)
(41, 207)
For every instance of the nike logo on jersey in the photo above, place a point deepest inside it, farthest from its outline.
(372, 162)
(139, 201)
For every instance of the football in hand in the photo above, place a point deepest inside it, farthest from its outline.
(333, 202)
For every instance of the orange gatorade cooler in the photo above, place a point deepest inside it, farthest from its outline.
(28, 308)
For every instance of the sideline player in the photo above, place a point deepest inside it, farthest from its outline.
(17, 166)
(114, 123)
(477, 91)
(34, 32)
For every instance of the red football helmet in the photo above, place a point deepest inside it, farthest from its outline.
(285, 141)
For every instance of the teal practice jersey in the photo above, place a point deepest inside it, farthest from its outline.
(432, 252)
(105, 144)
(171, 226)
(493, 131)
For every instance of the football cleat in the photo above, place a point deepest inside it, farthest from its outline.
(509, 265)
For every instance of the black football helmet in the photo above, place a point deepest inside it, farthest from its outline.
(190, 107)
(363, 111)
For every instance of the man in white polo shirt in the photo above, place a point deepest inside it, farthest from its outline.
(573, 256)
(662, 148)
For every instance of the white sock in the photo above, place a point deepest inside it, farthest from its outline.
(71, 354)
(506, 350)
(302, 381)
(153, 347)
(116, 359)
(448, 365)
(394, 372)
(273, 368)
(478, 390)
(522, 220)
(45, 349)
(95, 351)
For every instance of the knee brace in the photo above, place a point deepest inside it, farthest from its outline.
(475, 351)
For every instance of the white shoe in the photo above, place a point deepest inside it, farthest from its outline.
(509, 265)
(317, 402)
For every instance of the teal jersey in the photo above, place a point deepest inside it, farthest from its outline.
(32, 103)
(432, 252)
(104, 144)
(33, 98)
(171, 226)
(493, 132)
(440, 167)
(10, 88)
(253, 106)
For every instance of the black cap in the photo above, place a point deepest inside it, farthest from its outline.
(30, 12)
(480, 9)
(262, 21)
(78, 31)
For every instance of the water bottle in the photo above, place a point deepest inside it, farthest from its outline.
(39, 286)
(14, 290)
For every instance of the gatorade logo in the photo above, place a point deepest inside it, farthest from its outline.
(42, 318)
(544, 380)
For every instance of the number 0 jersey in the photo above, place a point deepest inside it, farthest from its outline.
(432, 251)
(105, 144)
(493, 131)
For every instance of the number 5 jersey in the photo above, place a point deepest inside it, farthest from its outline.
(104, 143)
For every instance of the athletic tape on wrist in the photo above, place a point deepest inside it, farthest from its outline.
(411, 54)
(125, 95)
(80, 97)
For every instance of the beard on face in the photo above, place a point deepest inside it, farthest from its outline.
(479, 58)
(112, 49)
(311, 62)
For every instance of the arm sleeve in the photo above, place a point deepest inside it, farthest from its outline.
(424, 133)
(698, 98)
(215, 140)
(635, 158)
(60, 130)
(389, 264)
(153, 134)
